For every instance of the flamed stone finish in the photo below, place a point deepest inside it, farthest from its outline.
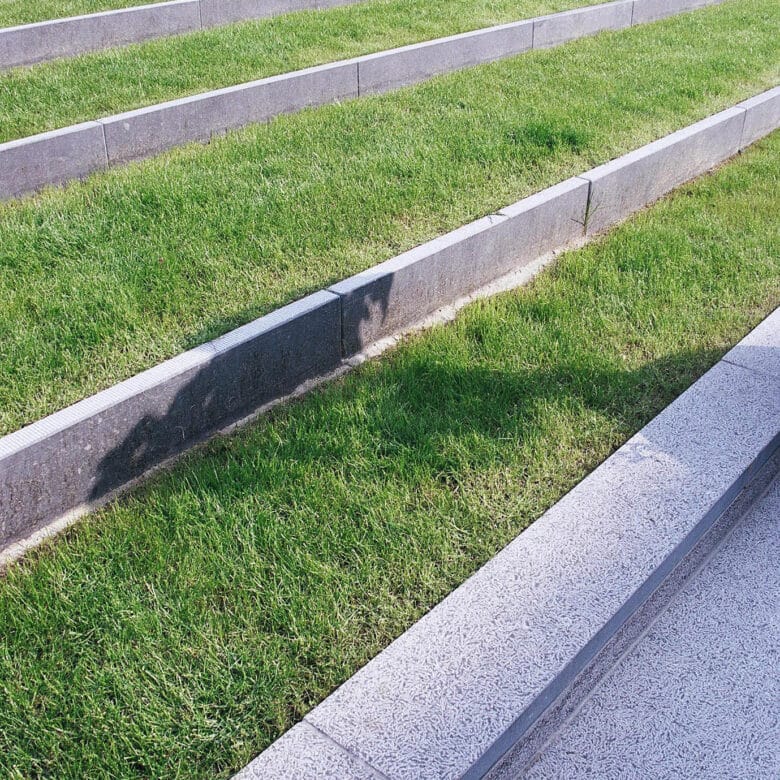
(396, 294)
(216, 12)
(303, 753)
(147, 131)
(762, 117)
(31, 43)
(636, 179)
(443, 696)
(84, 452)
(55, 157)
(650, 10)
(558, 28)
(410, 64)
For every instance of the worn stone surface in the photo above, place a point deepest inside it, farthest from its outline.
(650, 10)
(762, 117)
(84, 452)
(410, 64)
(555, 29)
(699, 694)
(31, 163)
(400, 292)
(147, 131)
(760, 349)
(445, 692)
(30, 43)
(633, 181)
(303, 753)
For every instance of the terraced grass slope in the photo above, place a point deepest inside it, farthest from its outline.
(57, 94)
(111, 276)
(13, 12)
(180, 631)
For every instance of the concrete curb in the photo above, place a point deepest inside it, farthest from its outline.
(144, 132)
(28, 44)
(450, 696)
(82, 454)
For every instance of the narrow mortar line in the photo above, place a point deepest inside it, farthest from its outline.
(343, 749)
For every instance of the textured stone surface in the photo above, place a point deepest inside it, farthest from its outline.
(762, 117)
(445, 693)
(400, 292)
(760, 349)
(216, 12)
(650, 10)
(29, 43)
(636, 179)
(147, 131)
(303, 753)
(558, 28)
(699, 694)
(84, 452)
(410, 64)
(31, 163)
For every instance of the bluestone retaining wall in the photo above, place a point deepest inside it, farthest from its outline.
(81, 454)
(28, 44)
(144, 132)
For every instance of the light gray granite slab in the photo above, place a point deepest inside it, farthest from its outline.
(650, 10)
(410, 64)
(633, 181)
(445, 693)
(32, 163)
(304, 753)
(762, 117)
(555, 29)
(82, 453)
(760, 349)
(698, 696)
(67, 37)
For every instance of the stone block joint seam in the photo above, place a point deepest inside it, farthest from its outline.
(151, 130)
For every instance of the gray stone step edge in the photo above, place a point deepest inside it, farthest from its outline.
(75, 459)
(28, 44)
(59, 156)
(455, 695)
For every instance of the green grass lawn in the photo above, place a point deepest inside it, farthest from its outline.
(178, 632)
(60, 93)
(13, 12)
(111, 276)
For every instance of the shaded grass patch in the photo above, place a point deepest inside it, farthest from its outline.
(111, 276)
(181, 630)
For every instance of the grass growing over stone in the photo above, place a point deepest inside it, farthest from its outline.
(13, 12)
(112, 276)
(60, 93)
(180, 631)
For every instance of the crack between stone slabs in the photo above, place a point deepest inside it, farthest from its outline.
(751, 369)
(105, 143)
(343, 749)
(658, 603)
(633, 7)
(200, 13)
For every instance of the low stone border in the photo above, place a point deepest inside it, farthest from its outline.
(454, 693)
(79, 456)
(29, 164)
(28, 44)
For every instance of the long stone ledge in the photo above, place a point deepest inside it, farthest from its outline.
(28, 44)
(453, 693)
(144, 132)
